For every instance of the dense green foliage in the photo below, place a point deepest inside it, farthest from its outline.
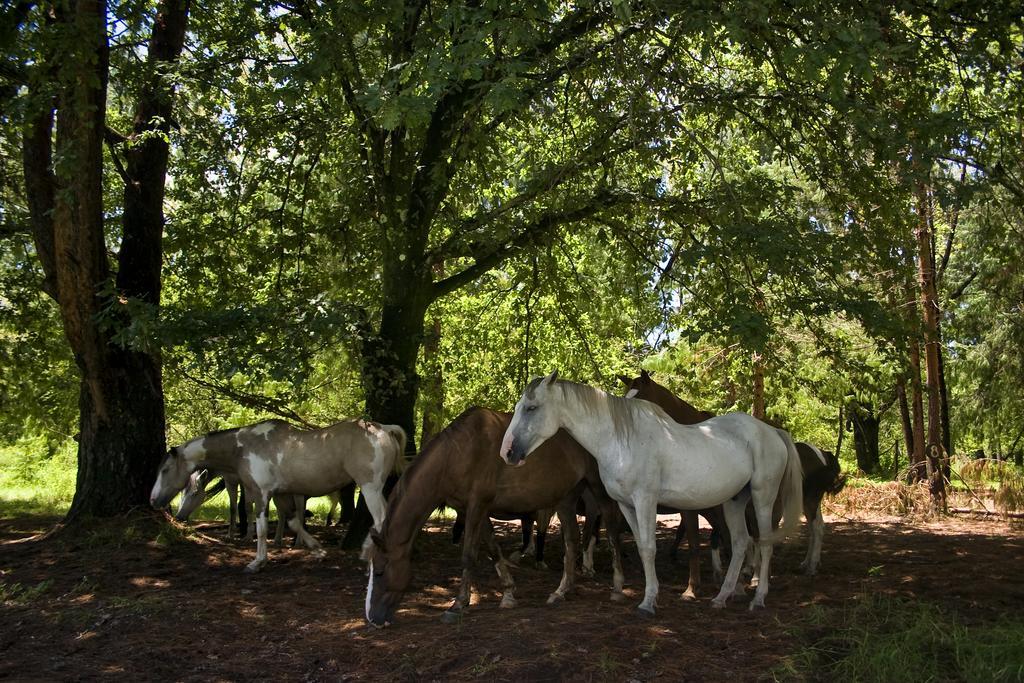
(625, 185)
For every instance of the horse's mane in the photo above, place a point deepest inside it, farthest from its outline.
(460, 431)
(624, 412)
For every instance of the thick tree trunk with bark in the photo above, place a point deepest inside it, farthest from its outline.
(121, 409)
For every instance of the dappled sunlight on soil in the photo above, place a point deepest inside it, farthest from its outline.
(131, 608)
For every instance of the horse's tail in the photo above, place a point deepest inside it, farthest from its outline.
(398, 436)
(790, 490)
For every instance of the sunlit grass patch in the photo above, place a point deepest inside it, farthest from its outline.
(35, 479)
(883, 639)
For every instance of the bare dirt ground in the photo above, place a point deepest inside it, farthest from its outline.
(114, 603)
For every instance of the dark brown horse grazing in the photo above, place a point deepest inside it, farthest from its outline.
(820, 469)
(645, 388)
(460, 467)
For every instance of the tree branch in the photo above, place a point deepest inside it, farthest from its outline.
(251, 400)
(541, 226)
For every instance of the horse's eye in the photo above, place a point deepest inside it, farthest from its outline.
(530, 409)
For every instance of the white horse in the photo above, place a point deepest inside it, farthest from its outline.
(273, 457)
(646, 458)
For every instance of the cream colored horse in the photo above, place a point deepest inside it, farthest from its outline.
(273, 457)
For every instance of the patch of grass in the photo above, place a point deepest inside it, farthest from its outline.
(23, 595)
(880, 638)
(174, 533)
(36, 478)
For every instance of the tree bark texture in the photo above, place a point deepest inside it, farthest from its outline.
(121, 411)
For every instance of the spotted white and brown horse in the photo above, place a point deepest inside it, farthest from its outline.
(273, 458)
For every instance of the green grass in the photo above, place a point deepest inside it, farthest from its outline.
(36, 479)
(883, 639)
(23, 595)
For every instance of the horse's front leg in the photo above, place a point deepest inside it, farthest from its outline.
(689, 518)
(736, 523)
(566, 512)
(508, 584)
(373, 494)
(262, 501)
(475, 516)
(642, 517)
(232, 512)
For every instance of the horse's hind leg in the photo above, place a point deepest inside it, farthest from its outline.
(475, 518)
(295, 524)
(764, 520)
(689, 519)
(736, 522)
(571, 537)
(508, 584)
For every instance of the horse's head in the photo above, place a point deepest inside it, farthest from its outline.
(638, 387)
(534, 421)
(194, 495)
(171, 478)
(390, 572)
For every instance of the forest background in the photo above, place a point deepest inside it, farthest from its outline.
(212, 213)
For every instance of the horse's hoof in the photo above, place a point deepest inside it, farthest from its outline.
(556, 598)
(451, 617)
(515, 557)
(588, 572)
(718, 604)
(756, 604)
(542, 565)
(689, 595)
(645, 612)
(253, 567)
(618, 596)
(507, 602)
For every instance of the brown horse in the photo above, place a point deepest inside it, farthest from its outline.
(460, 468)
(820, 468)
(645, 388)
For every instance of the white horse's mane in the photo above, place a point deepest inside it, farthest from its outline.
(624, 412)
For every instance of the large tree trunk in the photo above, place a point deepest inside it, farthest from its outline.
(121, 420)
(930, 306)
(389, 356)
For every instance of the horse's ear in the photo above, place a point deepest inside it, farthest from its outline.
(646, 376)
(625, 380)
(550, 379)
